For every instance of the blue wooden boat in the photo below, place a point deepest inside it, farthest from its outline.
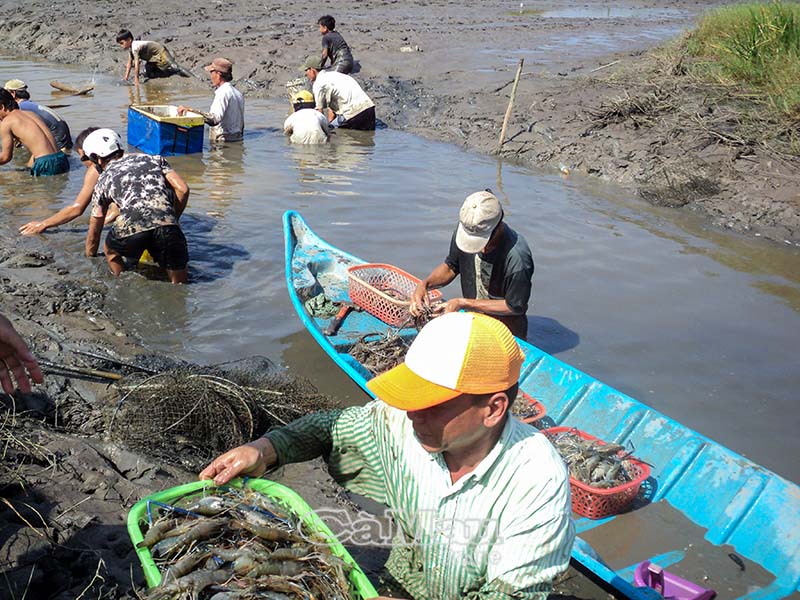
(706, 513)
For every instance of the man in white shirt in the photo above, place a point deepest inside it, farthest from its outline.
(306, 125)
(226, 115)
(347, 105)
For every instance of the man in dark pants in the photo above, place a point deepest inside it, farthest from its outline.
(151, 197)
(340, 98)
(494, 262)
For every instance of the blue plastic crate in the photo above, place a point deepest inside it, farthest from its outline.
(158, 130)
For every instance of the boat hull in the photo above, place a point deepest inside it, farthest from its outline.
(702, 502)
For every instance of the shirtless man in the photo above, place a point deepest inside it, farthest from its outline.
(31, 131)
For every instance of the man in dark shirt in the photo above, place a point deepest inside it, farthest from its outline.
(150, 196)
(494, 262)
(334, 46)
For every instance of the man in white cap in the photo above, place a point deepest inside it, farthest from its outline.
(494, 262)
(150, 195)
(226, 115)
(481, 500)
(57, 126)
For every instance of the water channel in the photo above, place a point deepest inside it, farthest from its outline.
(699, 323)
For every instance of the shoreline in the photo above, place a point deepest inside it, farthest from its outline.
(429, 75)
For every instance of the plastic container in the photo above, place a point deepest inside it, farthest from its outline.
(597, 503)
(373, 287)
(137, 517)
(669, 585)
(157, 129)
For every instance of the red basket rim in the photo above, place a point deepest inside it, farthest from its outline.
(644, 468)
(534, 402)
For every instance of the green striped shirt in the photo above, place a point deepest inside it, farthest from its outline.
(503, 531)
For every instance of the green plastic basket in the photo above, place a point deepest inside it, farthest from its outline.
(137, 517)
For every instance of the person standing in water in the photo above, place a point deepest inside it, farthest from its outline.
(57, 126)
(32, 132)
(226, 115)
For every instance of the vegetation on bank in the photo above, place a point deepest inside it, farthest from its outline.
(757, 44)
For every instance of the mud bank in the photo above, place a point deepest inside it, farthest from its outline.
(443, 70)
(67, 480)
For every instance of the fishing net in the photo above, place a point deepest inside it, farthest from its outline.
(188, 415)
(19, 448)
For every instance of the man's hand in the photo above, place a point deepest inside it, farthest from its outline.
(453, 305)
(17, 359)
(182, 110)
(419, 299)
(250, 459)
(32, 228)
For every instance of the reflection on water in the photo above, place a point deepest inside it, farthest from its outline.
(700, 324)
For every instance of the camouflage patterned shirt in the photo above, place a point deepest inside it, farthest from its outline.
(136, 183)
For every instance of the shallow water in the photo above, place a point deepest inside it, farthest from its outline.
(700, 324)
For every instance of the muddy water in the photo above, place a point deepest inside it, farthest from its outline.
(699, 324)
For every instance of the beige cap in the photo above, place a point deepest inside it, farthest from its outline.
(312, 62)
(15, 84)
(223, 65)
(480, 214)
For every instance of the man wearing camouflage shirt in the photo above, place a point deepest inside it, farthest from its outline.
(150, 196)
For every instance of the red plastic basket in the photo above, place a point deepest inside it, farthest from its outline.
(597, 503)
(384, 291)
(531, 410)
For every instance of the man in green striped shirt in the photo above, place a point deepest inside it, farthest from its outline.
(481, 500)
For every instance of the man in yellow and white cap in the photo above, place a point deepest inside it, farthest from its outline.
(306, 125)
(481, 500)
(494, 262)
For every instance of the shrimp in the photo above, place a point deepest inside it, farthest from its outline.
(193, 584)
(201, 530)
(209, 506)
(156, 532)
(270, 534)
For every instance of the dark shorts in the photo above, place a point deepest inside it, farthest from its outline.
(51, 164)
(167, 244)
(363, 121)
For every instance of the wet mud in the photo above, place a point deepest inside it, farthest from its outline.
(445, 71)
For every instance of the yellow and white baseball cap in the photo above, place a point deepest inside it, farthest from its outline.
(457, 353)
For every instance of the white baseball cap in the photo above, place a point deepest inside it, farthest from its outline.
(480, 214)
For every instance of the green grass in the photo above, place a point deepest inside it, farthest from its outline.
(756, 44)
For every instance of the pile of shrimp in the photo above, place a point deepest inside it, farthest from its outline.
(593, 462)
(240, 545)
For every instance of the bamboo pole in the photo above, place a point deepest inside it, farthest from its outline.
(510, 105)
(51, 366)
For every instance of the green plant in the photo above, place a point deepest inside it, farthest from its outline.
(756, 44)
